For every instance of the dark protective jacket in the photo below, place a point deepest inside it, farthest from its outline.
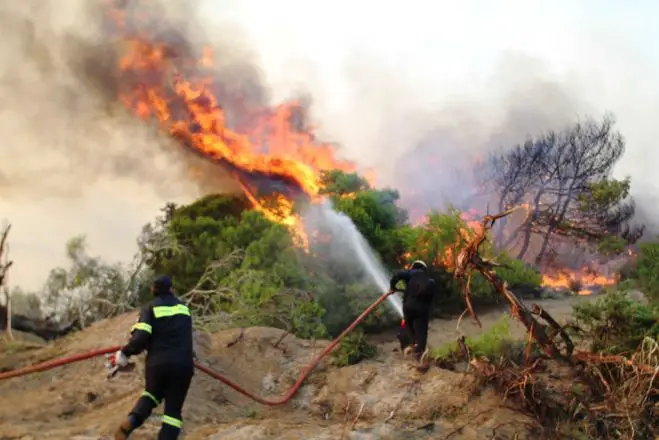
(419, 288)
(164, 330)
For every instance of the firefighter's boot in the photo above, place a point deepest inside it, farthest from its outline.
(424, 361)
(408, 350)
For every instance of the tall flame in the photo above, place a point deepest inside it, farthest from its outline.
(155, 85)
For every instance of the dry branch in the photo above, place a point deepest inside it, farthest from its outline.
(469, 260)
(556, 327)
(604, 396)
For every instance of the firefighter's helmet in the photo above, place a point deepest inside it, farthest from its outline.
(418, 264)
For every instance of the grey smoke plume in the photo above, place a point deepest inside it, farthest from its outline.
(74, 162)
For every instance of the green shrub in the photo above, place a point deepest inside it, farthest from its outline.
(353, 348)
(495, 343)
(616, 323)
(647, 270)
(519, 275)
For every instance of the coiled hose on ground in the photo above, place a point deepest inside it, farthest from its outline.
(214, 374)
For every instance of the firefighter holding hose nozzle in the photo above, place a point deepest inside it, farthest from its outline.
(164, 330)
(417, 303)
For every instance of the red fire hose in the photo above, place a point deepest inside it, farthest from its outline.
(280, 401)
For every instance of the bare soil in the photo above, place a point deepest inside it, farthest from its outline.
(380, 399)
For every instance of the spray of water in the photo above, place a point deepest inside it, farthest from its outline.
(345, 244)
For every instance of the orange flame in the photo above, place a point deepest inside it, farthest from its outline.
(188, 110)
(446, 255)
(583, 280)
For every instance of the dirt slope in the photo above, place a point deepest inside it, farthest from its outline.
(392, 400)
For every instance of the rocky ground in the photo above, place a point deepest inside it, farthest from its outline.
(380, 399)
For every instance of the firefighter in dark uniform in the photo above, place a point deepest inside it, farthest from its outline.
(164, 330)
(417, 303)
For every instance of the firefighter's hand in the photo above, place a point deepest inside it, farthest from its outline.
(120, 359)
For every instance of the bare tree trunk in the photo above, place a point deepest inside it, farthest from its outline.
(498, 234)
(545, 244)
(565, 200)
(10, 335)
(5, 264)
(528, 230)
(550, 229)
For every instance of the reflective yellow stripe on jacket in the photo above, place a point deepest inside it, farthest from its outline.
(165, 311)
(142, 326)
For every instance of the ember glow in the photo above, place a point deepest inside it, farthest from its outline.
(158, 80)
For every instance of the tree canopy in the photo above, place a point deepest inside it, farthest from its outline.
(564, 178)
(236, 267)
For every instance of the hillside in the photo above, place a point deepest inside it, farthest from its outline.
(76, 402)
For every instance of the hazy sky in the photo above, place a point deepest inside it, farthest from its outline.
(440, 49)
(360, 59)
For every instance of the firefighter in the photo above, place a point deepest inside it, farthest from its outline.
(164, 330)
(417, 303)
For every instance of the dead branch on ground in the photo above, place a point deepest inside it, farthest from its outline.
(237, 339)
(618, 396)
(556, 328)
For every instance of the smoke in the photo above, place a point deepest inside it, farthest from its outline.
(418, 93)
(435, 163)
(415, 99)
(73, 160)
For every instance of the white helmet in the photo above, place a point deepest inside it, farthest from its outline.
(418, 264)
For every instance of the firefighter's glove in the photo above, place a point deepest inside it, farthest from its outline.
(120, 360)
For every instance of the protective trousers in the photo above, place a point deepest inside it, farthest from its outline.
(169, 383)
(416, 323)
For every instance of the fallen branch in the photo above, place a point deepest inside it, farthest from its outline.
(237, 339)
(557, 328)
(464, 350)
(597, 358)
(281, 338)
(44, 329)
(469, 260)
(359, 413)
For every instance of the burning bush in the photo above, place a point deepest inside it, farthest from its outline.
(438, 240)
(237, 267)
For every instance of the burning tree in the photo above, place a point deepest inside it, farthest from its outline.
(564, 180)
(273, 155)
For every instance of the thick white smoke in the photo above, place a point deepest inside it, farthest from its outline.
(462, 77)
(384, 81)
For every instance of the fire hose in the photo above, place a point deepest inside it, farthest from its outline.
(214, 374)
